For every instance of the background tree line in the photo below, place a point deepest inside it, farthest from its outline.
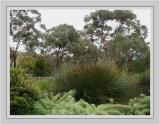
(123, 44)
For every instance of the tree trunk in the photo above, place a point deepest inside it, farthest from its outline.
(11, 62)
(14, 61)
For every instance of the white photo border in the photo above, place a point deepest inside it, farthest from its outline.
(5, 63)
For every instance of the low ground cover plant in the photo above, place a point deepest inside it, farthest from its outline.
(65, 104)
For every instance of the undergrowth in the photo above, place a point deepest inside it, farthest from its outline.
(65, 104)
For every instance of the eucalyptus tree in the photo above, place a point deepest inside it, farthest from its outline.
(57, 43)
(124, 51)
(23, 31)
(117, 33)
(96, 25)
(84, 52)
(128, 43)
(64, 43)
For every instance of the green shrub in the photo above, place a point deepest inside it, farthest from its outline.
(140, 65)
(143, 82)
(65, 104)
(22, 93)
(140, 105)
(41, 67)
(18, 78)
(94, 83)
(43, 107)
(37, 65)
(45, 86)
(26, 63)
(113, 109)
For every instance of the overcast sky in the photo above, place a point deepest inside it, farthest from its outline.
(54, 17)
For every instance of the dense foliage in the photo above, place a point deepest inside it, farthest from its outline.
(41, 67)
(144, 82)
(65, 104)
(140, 105)
(22, 93)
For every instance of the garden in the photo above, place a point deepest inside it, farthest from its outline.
(103, 69)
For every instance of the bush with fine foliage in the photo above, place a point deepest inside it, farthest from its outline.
(45, 86)
(22, 93)
(94, 83)
(140, 105)
(65, 104)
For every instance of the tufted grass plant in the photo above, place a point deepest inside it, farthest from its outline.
(94, 83)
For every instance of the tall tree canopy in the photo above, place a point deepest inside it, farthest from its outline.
(58, 42)
(23, 30)
(118, 33)
(63, 43)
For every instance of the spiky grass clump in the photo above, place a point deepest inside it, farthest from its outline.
(94, 83)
